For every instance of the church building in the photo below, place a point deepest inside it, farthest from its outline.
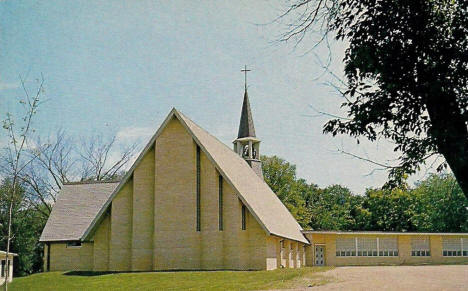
(188, 202)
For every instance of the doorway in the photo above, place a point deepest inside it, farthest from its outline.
(319, 255)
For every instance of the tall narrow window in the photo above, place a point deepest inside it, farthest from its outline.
(243, 217)
(220, 202)
(48, 256)
(198, 189)
(3, 268)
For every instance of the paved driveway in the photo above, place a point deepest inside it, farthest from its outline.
(445, 277)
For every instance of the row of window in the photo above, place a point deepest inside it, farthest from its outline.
(455, 253)
(455, 247)
(367, 253)
(388, 247)
(366, 247)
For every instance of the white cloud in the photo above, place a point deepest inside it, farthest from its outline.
(134, 134)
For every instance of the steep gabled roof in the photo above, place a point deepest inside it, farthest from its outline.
(75, 209)
(264, 205)
(261, 201)
(246, 125)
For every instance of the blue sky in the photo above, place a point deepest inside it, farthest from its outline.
(118, 67)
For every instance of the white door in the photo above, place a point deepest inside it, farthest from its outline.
(319, 255)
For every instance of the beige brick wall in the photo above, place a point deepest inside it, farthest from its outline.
(120, 257)
(143, 213)
(257, 239)
(63, 258)
(101, 245)
(404, 252)
(232, 228)
(176, 241)
(212, 243)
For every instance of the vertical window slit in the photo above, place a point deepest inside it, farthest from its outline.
(243, 217)
(220, 201)
(198, 189)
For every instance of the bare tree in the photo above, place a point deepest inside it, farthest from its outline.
(16, 160)
(97, 162)
(53, 163)
(59, 159)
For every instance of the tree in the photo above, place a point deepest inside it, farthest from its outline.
(280, 175)
(436, 204)
(60, 159)
(26, 226)
(406, 70)
(16, 161)
(95, 159)
(440, 205)
(389, 209)
(332, 208)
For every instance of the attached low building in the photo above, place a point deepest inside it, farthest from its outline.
(336, 248)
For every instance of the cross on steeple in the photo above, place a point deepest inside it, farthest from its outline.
(247, 145)
(245, 75)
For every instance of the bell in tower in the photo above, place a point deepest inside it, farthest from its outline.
(247, 145)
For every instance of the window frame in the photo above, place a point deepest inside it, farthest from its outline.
(244, 217)
(220, 203)
(461, 252)
(378, 251)
(74, 244)
(421, 251)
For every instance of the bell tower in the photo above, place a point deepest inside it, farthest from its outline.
(247, 145)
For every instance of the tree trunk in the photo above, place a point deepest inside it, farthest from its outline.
(10, 215)
(450, 133)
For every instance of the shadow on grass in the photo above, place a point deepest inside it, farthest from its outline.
(98, 273)
(87, 273)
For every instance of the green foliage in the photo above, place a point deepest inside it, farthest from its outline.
(406, 69)
(436, 204)
(441, 205)
(281, 177)
(331, 208)
(27, 227)
(406, 75)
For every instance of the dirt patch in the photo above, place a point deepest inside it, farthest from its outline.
(443, 277)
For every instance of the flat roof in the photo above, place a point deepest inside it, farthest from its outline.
(2, 253)
(383, 232)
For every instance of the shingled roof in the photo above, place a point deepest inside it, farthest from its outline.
(261, 201)
(76, 207)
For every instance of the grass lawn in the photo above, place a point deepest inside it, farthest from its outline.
(216, 280)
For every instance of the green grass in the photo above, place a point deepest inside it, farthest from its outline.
(216, 280)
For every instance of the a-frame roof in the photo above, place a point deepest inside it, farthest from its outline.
(264, 205)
